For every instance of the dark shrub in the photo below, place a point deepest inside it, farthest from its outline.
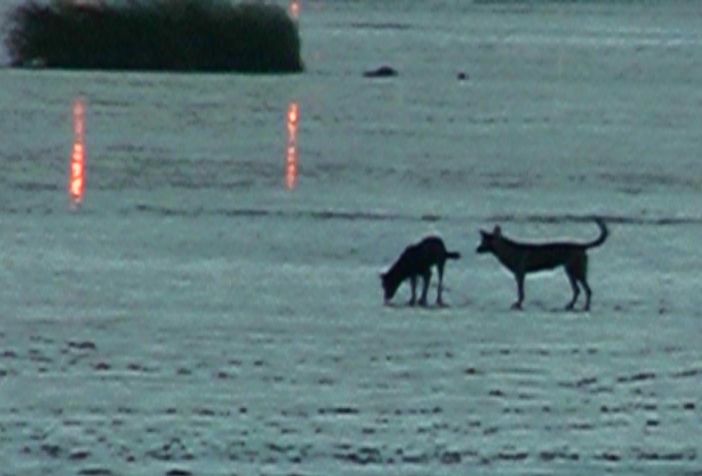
(182, 35)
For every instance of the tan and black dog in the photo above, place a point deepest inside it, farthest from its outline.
(524, 258)
(415, 261)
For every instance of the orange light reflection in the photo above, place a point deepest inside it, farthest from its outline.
(77, 169)
(291, 156)
(295, 7)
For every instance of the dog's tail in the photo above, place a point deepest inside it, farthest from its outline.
(453, 255)
(604, 233)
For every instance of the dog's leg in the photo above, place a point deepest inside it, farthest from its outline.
(583, 281)
(520, 291)
(579, 273)
(426, 278)
(574, 285)
(413, 286)
(588, 293)
(440, 269)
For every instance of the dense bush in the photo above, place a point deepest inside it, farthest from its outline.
(183, 35)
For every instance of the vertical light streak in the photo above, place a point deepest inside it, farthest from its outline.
(291, 155)
(77, 173)
(294, 9)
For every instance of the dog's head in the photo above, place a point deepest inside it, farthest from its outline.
(390, 286)
(487, 240)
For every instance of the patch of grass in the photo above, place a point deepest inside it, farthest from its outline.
(174, 35)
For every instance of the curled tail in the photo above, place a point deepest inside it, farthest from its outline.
(453, 255)
(604, 233)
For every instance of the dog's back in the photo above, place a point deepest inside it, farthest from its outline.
(418, 258)
(532, 257)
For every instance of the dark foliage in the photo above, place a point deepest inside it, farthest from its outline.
(180, 35)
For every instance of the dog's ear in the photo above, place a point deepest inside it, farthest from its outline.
(497, 231)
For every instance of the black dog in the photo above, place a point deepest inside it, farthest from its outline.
(417, 260)
(523, 258)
